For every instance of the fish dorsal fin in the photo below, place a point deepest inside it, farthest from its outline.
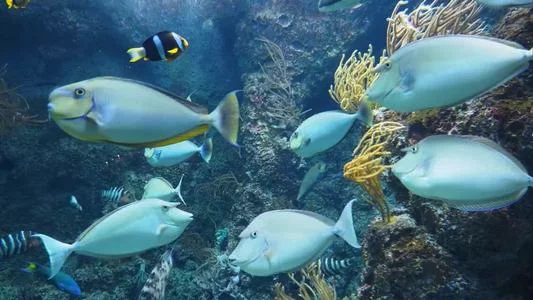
(495, 147)
(311, 214)
(84, 233)
(190, 105)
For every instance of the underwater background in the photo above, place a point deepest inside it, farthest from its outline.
(431, 251)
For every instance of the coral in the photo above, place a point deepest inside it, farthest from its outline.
(311, 285)
(367, 164)
(425, 20)
(352, 77)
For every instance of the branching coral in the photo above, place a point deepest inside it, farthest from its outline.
(352, 77)
(312, 285)
(457, 16)
(367, 164)
(279, 101)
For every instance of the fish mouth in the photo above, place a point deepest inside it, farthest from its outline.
(403, 172)
(245, 262)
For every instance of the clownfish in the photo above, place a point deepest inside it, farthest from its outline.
(164, 45)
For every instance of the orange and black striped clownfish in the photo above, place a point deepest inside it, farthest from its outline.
(164, 45)
(16, 4)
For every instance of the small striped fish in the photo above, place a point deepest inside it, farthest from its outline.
(15, 243)
(115, 195)
(332, 266)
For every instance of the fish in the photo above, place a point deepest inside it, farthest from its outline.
(324, 130)
(332, 266)
(470, 173)
(160, 188)
(61, 280)
(127, 231)
(135, 114)
(444, 71)
(74, 203)
(117, 195)
(505, 3)
(155, 286)
(310, 179)
(16, 243)
(170, 155)
(286, 240)
(334, 5)
(164, 45)
(16, 4)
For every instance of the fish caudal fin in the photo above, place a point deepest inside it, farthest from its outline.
(226, 117)
(58, 252)
(177, 190)
(364, 114)
(206, 150)
(344, 227)
(136, 54)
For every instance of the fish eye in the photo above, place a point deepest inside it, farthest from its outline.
(79, 92)
(414, 149)
(253, 235)
(387, 65)
(165, 208)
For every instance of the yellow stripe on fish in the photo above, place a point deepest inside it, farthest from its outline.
(131, 113)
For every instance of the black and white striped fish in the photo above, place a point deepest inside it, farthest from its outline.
(115, 195)
(154, 288)
(332, 266)
(15, 243)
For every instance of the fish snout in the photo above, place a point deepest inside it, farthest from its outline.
(50, 107)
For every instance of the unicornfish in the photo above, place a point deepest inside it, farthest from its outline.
(287, 240)
(174, 154)
(470, 173)
(160, 188)
(324, 130)
(131, 113)
(444, 71)
(127, 231)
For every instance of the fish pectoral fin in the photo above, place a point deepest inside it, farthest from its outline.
(173, 51)
(96, 118)
(307, 141)
(407, 81)
(161, 229)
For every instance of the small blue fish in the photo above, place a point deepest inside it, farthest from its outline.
(61, 280)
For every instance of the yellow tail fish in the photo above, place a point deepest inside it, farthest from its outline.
(131, 113)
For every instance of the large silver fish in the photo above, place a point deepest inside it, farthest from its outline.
(505, 3)
(129, 230)
(136, 114)
(286, 240)
(333, 5)
(170, 155)
(444, 71)
(466, 172)
(160, 188)
(324, 130)
(310, 179)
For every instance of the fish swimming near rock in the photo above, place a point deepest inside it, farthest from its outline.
(156, 284)
(505, 3)
(74, 203)
(310, 179)
(117, 195)
(444, 71)
(160, 188)
(16, 4)
(17, 243)
(331, 266)
(164, 45)
(174, 154)
(324, 130)
(334, 5)
(470, 173)
(129, 230)
(131, 113)
(61, 280)
(287, 240)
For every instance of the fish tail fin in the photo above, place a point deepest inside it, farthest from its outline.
(136, 54)
(530, 181)
(206, 150)
(364, 114)
(530, 56)
(30, 268)
(226, 117)
(177, 190)
(344, 227)
(58, 252)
